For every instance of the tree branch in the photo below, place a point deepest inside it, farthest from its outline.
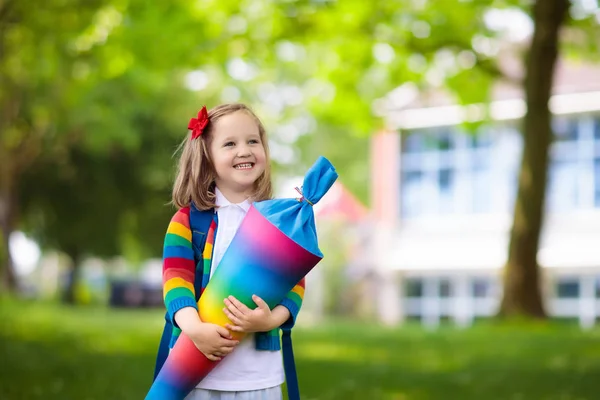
(5, 7)
(483, 64)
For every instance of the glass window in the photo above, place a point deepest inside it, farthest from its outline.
(482, 191)
(411, 192)
(414, 287)
(444, 166)
(480, 159)
(445, 288)
(446, 188)
(567, 288)
(481, 181)
(425, 140)
(445, 141)
(412, 176)
(413, 143)
(597, 181)
(430, 141)
(565, 129)
(597, 128)
(481, 288)
(445, 180)
(563, 185)
(480, 139)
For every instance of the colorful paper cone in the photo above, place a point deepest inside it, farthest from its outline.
(274, 248)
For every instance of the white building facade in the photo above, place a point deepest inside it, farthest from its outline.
(443, 200)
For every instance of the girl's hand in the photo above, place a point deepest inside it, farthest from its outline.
(246, 320)
(214, 341)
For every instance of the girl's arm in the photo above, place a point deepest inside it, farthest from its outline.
(293, 302)
(178, 266)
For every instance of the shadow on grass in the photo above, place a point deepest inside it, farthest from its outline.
(63, 369)
(325, 380)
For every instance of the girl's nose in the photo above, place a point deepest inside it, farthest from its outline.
(244, 151)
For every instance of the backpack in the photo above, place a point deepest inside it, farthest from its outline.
(199, 225)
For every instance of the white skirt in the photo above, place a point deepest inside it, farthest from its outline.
(273, 393)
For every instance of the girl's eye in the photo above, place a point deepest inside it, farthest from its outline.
(228, 144)
(253, 141)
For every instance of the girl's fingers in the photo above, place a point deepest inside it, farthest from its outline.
(232, 317)
(239, 305)
(260, 302)
(233, 309)
(212, 357)
(234, 328)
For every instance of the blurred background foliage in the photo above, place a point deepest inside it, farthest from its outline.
(95, 95)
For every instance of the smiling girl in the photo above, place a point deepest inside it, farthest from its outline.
(224, 166)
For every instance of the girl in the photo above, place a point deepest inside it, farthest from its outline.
(224, 166)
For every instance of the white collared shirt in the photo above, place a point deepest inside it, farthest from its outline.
(230, 216)
(245, 368)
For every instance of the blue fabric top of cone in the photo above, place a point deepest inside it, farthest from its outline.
(296, 219)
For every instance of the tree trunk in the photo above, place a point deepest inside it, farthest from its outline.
(522, 292)
(69, 295)
(8, 279)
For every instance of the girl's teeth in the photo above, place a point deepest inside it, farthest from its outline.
(243, 166)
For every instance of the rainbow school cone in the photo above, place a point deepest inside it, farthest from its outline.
(274, 248)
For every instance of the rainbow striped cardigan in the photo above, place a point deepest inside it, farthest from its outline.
(180, 270)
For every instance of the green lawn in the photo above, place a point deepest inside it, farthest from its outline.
(53, 352)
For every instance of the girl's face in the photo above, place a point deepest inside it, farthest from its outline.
(238, 155)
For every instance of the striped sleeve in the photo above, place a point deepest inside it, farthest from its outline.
(293, 302)
(178, 265)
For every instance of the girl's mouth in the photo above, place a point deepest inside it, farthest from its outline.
(244, 166)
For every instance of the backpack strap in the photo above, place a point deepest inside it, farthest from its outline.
(199, 225)
(163, 347)
(200, 222)
(289, 366)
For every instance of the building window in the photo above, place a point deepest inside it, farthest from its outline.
(413, 187)
(481, 139)
(481, 288)
(481, 180)
(413, 143)
(597, 182)
(563, 185)
(414, 287)
(447, 171)
(424, 141)
(444, 140)
(567, 288)
(445, 180)
(445, 288)
(565, 129)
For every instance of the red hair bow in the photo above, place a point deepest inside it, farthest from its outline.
(197, 125)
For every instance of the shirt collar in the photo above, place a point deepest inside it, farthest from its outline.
(222, 202)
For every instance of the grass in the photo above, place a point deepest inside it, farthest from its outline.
(50, 351)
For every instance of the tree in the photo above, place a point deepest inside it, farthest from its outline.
(522, 294)
(36, 63)
(430, 30)
(89, 146)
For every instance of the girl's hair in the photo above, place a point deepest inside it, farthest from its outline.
(195, 181)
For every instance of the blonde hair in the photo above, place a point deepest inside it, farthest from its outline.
(195, 180)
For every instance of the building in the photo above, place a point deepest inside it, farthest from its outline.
(340, 218)
(443, 199)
